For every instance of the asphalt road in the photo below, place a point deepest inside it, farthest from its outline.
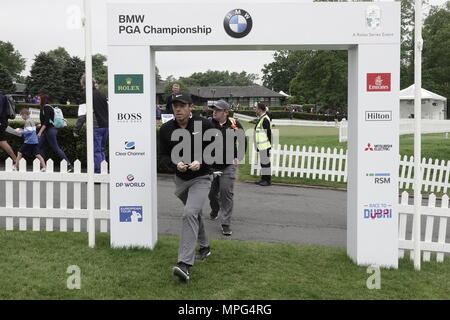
(271, 214)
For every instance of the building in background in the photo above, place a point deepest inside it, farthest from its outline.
(434, 106)
(242, 96)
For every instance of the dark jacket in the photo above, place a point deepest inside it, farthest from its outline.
(100, 106)
(3, 108)
(166, 146)
(45, 115)
(169, 107)
(227, 126)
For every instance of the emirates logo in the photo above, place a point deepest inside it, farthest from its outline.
(378, 82)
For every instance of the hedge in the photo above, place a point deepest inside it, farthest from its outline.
(74, 148)
(296, 115)
(69, 110)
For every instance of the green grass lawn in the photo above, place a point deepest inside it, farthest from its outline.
(434, 146)
(34, 266)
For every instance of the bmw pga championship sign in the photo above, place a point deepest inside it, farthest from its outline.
(369, 31)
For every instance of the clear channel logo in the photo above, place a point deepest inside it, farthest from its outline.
(238, 23)
(129, 149)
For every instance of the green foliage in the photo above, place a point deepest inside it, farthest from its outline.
(276, 114)
(11, 59)
(436, 53)
(100, 71)
(286, 65)
(6, 84)
(219, 78)
(72, 72)
(322, 79)
(46, 77)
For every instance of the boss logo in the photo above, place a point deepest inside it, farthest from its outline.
(129, 117)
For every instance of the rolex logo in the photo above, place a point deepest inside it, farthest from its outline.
(128, 83)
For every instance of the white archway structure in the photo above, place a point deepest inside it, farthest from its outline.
(369, 31)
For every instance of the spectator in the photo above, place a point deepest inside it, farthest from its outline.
(175, 90)
(3, 125)
(47, 132)
(100, 123)
(30, 147)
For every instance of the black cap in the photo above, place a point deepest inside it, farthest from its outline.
(182, 97)
(221, 104)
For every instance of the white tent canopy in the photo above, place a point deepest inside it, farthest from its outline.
(408, 94)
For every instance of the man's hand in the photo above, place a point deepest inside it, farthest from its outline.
(182, 167)
(194, 166)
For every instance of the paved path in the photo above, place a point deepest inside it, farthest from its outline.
(272, 214)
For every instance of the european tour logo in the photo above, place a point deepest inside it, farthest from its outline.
(378, 82)
(128, 83)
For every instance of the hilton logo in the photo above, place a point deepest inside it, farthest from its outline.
(378, 115)
(128, 83)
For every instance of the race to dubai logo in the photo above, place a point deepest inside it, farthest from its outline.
(238, 23)
(373, 17)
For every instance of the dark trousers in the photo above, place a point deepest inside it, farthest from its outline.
(100, 139)
(264, 158)
(49, 136)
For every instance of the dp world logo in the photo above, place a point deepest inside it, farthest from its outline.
(238, 23)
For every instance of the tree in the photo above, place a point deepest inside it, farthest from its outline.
(61, 56)
(436, 54)
(322, 79)
(72, 72)
(6, 83)
(100, 71)
(407, 43)
(219, 78)
(45, 77)
(286, 65)
(11, 59)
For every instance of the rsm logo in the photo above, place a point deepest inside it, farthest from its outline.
(380, 178)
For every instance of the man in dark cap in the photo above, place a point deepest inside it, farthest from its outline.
(192, 178)
(221, 194)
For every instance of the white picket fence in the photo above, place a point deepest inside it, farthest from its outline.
(331, 164)
(16, 205)
(435, 228)
(306, 163)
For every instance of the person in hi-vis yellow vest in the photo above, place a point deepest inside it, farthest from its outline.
(263, 143)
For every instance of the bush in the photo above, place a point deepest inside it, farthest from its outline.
(296, 115)
(70, 111)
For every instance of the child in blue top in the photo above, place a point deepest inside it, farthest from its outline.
(30, 146)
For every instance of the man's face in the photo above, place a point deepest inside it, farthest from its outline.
(181, 110)
(175, 88)
(219, 115)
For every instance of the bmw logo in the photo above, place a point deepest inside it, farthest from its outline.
(238, 23)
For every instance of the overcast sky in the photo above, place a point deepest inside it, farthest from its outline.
(42, 25)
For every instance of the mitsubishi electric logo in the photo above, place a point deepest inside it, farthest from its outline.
(238, 23)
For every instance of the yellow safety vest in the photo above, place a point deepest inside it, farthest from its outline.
(262, 140)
